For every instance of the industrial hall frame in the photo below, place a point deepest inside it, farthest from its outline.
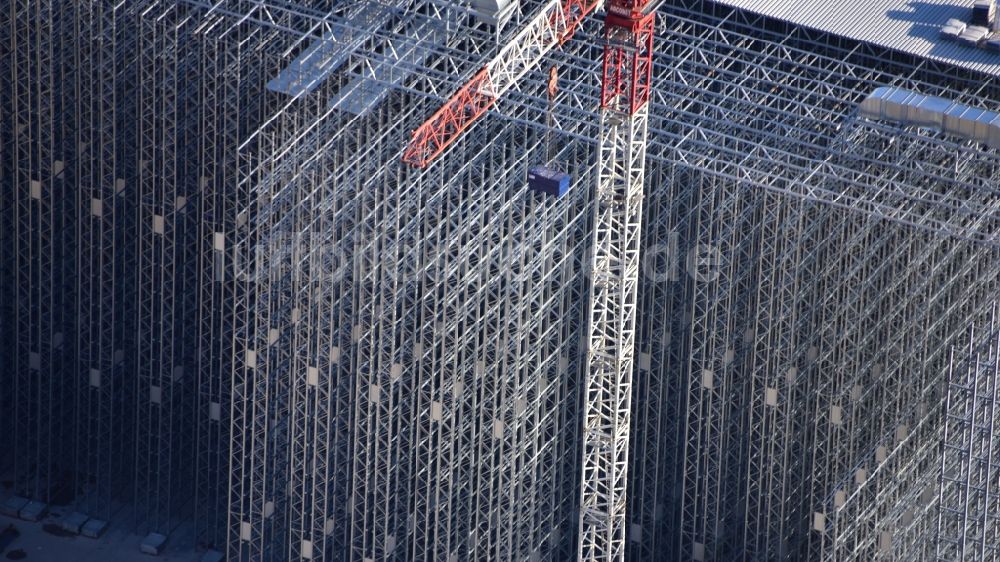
(233, 317)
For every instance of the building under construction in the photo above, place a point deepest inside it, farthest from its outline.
(244, 313)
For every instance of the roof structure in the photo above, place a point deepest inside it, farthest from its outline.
(911, 26)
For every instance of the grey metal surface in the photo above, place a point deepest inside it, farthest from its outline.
(909, 26)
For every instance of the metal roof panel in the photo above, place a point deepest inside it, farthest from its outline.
(911, 26)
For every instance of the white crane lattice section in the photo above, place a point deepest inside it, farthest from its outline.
(611, 342)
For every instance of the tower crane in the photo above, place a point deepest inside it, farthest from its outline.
(625, 87)
(626, 77)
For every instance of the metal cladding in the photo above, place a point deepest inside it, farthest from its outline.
(232, 318)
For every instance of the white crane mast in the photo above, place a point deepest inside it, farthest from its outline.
(615, 281)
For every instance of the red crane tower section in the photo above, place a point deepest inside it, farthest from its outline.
(628, 56)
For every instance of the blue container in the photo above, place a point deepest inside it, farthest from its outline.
(548, 181)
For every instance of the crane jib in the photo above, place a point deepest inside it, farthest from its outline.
(552, 26)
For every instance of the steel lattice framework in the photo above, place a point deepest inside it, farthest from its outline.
(359, 291)
(554, 24)
(320, 353)
(968, 516)
(40, 221)
(810, 350)
(65, 305)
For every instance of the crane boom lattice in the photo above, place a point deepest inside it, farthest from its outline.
(551, 27)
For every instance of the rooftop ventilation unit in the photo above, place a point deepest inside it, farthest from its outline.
(910, 108)
(494, 12)
(953, 29)
(973, 35)
(984, 12)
